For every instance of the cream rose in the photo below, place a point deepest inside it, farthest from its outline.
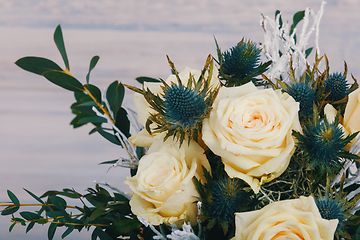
(352, 112)
(297, 219)
(163, 189)
(350, 124)
(143, 109)
(251, 130)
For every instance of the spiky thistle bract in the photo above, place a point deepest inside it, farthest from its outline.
(305, 95)
(241, 64)
(334, 204)
(336, 86)
(323, 144)
(180, 109)
(221, 198)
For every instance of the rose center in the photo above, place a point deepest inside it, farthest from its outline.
(253, 120)
(158, 177)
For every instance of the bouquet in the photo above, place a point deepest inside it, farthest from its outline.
(261, 143)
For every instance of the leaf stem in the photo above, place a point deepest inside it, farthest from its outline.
(100, 105)
(2, 204)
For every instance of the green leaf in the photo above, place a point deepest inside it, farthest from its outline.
(13, 198)
(82, 97)
(115, 96)
(120, 197)
(30, 226)
(296, 19)
(79, 107)
(37, 65)
(59, 41)
(30, 215)
(109, 137)
(92, 120)
(11, 227)
(94, 201)
(60, 203)
(51, 231)
(95, 91)
(49, 193)
(98, 212)
(68, 231)
(98, 232)
(43, 221)
(146, 79)
(34, 196)
(125, 225)
(122, 122)
(358, 233)
(280, 19)
(308, 51)
(9, 210)
(93, 63)
(109, 162)
(64, 80)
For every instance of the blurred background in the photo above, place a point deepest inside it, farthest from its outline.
(40, 151)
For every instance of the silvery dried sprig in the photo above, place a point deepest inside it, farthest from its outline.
(181, 109)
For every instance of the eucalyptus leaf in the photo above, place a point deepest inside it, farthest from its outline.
(109, 137)
(122, 122)
(94, 91)
(59, 41)
(64, 80)
(51, 231)
(98, 232)
(68, 231)
(11, 227)
(37, 65)
(13, 198)
(125, 225)
(97, 213)
(60, 203)
(115, 96)
(146, 79)
(34, 196)
(10, 210)
(92, 120)
(93, 63)
(30, 215)
(109, 162)
(30, 226)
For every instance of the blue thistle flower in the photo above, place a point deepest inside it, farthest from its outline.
(241, 64)
(331, 208)
(336, 85)
(324, 145)
(184, 106)
(181, 109)
(305, 95)
(226, 198)
(334, 204)
(221, 198)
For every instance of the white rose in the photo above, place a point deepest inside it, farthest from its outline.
(289, 219)
(143, 109)
(163, 188)
(250, 129)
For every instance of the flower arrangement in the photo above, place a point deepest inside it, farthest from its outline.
(259, 144)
